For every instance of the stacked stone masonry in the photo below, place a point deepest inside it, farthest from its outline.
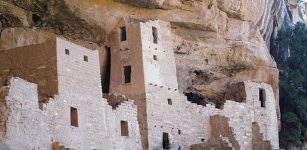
(157, 107)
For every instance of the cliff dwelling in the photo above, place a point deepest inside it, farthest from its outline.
(153, 74)
(126, 99)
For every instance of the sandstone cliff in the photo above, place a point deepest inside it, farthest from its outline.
(215, 41)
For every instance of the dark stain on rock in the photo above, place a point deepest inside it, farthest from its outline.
(56, 17)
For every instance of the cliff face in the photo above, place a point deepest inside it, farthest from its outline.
(215, 41)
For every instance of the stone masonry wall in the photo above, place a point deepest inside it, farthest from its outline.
(187, 123)
(193, 120)
(266, 117)
(166, 110)
(99, 126)
(39, 129)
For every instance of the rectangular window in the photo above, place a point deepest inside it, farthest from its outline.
(155, 35)
(67, 51)
(74, 117)
(262, 97)
(123, 34)
(169, 101)
(85, 58)
(127, 74)
(165, 143)
(124, 128)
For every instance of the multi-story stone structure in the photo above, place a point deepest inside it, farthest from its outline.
(63, 104)
(77, 116)
(149, 77)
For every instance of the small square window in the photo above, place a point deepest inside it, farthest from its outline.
(85, 58)
(67, 51)
(169, 101)
(155, 57)
(179, 131)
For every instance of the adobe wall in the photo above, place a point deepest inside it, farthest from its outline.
(35, 63)
(99, 125)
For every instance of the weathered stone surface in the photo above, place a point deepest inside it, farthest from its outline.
(48, 15)
(219, 37)
(4, 111)
(222, 136)
(19, 37)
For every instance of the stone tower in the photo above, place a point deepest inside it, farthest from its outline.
(141, 52)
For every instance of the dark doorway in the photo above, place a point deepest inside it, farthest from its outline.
(127, 74)
(165, 144)
(107, 73)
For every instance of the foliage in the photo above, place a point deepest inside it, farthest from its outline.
(293, 86)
